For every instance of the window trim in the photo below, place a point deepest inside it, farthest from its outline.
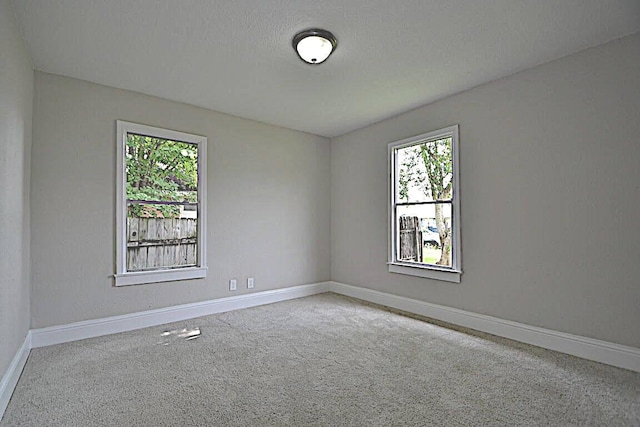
(419, 269)
(122, 276)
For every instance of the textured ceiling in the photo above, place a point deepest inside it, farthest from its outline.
(236, 56)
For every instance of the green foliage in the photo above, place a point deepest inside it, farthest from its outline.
(436, 156)
(160, 170)
(427, 166)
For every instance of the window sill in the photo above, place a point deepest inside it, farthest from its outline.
(446, 275)
(142, 277)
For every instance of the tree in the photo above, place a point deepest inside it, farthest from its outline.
(160, 170)
(434, 176)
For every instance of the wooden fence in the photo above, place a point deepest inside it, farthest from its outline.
(410, 239)
(161, 243)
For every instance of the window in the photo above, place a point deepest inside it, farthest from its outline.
(160, 205)
(424, 210)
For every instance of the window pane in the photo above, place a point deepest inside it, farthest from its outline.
(425, 172)
(424, 234)
(161, 170)
(161, 236)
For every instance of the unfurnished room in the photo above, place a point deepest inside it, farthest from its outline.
(319, 213)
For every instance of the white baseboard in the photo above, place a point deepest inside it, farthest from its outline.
(111, 325)
(586, 348)
(10, 378)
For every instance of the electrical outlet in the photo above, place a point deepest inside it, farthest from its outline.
(233, 284)
(250, 283)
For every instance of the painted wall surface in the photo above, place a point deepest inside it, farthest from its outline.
(16, 101)
(268, 202)
(550, 197)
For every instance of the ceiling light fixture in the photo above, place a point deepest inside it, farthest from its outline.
(314, 46)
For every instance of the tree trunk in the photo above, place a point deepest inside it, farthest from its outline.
(444, 231)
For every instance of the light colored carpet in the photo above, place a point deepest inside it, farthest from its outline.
(322, 360)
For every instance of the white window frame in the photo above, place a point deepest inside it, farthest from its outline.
(430, 271)
(122, 276)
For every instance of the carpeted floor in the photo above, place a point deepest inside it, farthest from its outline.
(324, 360)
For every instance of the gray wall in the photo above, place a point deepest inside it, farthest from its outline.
(550, 195)
(268, 202)
(16, 100)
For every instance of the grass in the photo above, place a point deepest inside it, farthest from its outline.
(431, 254)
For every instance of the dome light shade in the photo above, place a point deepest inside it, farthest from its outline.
(314, 46)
